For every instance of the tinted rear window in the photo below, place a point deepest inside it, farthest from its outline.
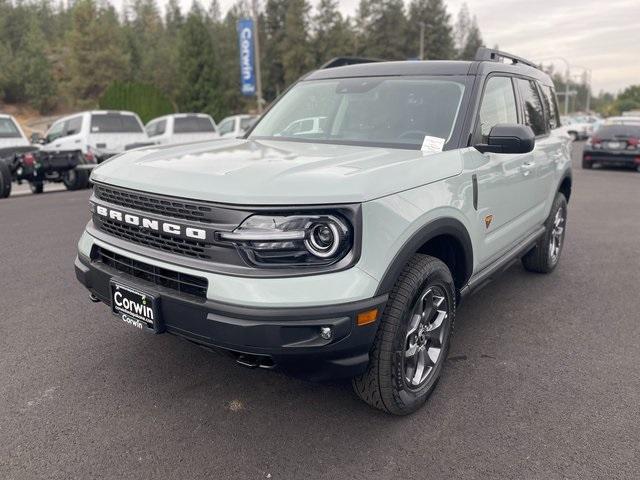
(114, 123)
(192, 125)
(621, 130)
(8, 129)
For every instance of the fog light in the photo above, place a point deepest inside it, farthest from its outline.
(325, 332)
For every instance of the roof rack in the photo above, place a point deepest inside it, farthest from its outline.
(342, 61)
(484, 54)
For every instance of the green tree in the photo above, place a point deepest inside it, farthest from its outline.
(629, 99)
(199, 83)
(467, 34)
(332, 33)
(438, 33)
(97, 54)
(382, 29)
(296, 58)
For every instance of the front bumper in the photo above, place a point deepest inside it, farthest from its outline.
(286, 338)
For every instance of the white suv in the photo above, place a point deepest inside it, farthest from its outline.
(343, 251)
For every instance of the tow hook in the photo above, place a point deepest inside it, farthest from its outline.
(93, 298)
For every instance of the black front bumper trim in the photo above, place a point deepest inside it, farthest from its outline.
(289, 336)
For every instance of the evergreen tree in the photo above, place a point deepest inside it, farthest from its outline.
(332, 35)
(199, 75)
(382, 29)
(296, 58)
(438, 33)
(274, 26)
(97, 53)
(468, 37)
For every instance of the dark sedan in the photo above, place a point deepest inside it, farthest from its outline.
(616, 145)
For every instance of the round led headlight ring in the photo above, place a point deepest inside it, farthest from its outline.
(324, 239)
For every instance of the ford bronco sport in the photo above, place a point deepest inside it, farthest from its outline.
(341, 251)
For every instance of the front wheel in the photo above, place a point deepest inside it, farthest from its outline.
(544, 257)
(75, 179)
(5, 180)
(412, 341)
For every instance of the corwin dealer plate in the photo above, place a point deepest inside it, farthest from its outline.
(134, 307)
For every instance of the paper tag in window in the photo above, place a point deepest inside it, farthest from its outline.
(432, 144)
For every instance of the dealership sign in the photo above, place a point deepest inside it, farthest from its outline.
(247, 60)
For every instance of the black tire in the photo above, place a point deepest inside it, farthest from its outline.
(36, 187)
(540, 258)
(75, 179)
(574, 136)
(5, 180)
(587, 164)
(385, 384)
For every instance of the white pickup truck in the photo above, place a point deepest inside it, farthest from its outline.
(182, 128)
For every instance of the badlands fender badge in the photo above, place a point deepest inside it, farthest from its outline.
(487, 221)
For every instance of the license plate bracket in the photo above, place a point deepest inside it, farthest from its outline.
(136, 307)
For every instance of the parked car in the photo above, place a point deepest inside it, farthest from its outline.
(622, 120)
(613, 144)
(98, 134)
(305, 126)
(343, 252)
(181, 128)
(13, 142)
(236, 125)
(577, 128)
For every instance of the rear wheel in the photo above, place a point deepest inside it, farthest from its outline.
(544, 257)
(75, 179)
(36, 187)
(5, 180)
(573, 136)
(412, 341)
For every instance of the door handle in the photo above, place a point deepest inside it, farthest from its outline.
(527, 167)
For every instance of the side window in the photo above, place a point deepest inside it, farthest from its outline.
(225, 127)
(156, 128)
(55, 131)
(161, 127)
(551, 106)
(72, 126)
(532, 106)
(498, 105)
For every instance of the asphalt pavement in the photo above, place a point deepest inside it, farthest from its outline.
(543, 380)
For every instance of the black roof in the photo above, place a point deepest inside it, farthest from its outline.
(487, 61)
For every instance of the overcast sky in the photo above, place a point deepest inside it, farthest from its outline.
(603, 35)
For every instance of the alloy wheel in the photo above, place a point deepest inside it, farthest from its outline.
(557, 235)
(424, 342)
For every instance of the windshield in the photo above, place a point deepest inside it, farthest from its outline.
(391, 111)
(114, 123)
(8, 129)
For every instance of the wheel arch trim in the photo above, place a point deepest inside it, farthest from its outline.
(442, 226)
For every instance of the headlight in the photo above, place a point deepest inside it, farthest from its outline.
(292, 240)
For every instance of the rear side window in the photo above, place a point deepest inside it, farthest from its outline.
(246, 123)
(550, 106)
(114, 123)
(225, 127)
(192, 124)
(156, 128)
(56, 131)
(73, 126)
(532, 105)
(498, 105)
(8, 129)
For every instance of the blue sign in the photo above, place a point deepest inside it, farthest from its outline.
(247, 60)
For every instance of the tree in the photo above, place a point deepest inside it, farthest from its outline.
(97, 53)
(382, 28)
(296, 58)
(332, 34)
(438, 33)
(629, 99)
(467, 34)
(199, 81)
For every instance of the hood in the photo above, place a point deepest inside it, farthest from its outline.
(257, 172)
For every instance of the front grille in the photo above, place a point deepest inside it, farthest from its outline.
(181, 246)
(180, 282)
(165, 206)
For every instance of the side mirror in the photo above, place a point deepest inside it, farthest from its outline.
(508, 138)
